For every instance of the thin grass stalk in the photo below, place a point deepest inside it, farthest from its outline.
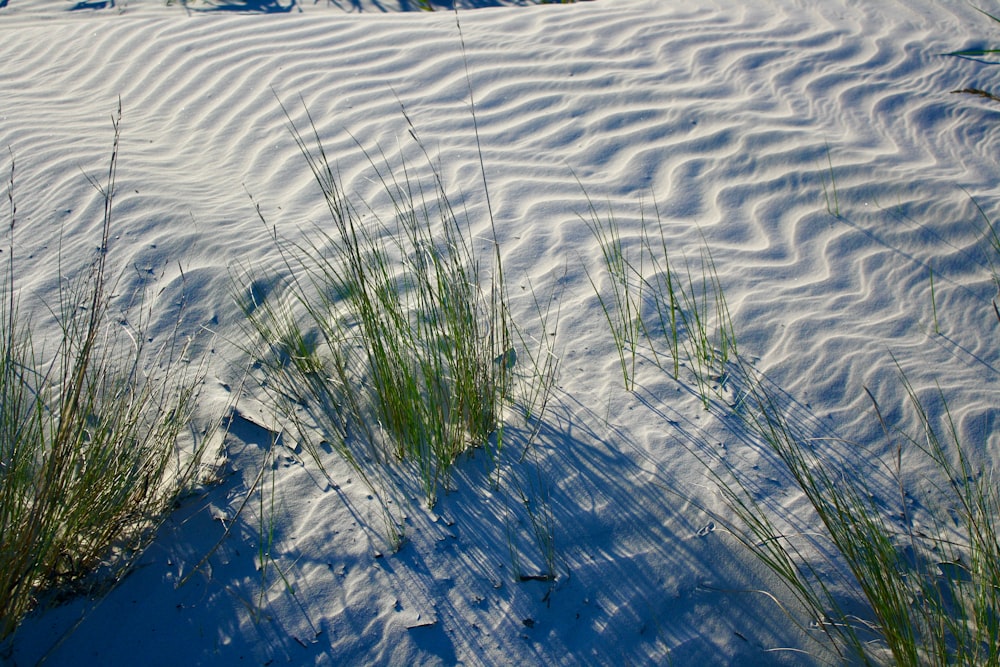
(8, 288)
(833, 208)
(98, 305)
(992, 239)
(667, 309)
(937, 328)
(978, 52)
(701, 329)
(542, 368)
(622, 309)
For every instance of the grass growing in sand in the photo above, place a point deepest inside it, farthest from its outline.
(930, 594)
(393, 337)
(89, 459)
(623, 307)
(978, 53)
(933, 592)
(687, 312)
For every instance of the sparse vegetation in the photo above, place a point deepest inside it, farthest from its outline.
(931, 592)
(978, 53)
(89, 458)
(390, 341)
(407, 358)
(687, 313)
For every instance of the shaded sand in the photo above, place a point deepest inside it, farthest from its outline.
(751, 123)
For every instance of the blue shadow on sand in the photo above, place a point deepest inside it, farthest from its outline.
(287, 6)
(242, 6)
(252, 6)
(416, 6)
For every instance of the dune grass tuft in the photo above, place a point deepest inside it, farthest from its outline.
(392, 337)
(686, 311)
(623, 308)
(89, 458)
(932, 591)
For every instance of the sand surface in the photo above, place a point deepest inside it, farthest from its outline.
(812, 145)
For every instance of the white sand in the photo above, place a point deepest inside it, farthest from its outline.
(725, 111)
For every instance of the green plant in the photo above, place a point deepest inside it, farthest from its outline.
(391, 341)
(977, 52)
(992, 241)
(690, 314)
(407, 356)
(537, 504)
(87, 438)
(703, 313)
(934, 312)
(933, 593)
(830, 195)
(916, 594)
(623, 309)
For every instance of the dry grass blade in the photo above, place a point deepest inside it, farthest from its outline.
(978, 93)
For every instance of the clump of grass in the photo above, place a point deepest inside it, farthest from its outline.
(696, 320)
(87, 438)
(689, 313)
(407, 356)
(933, 593)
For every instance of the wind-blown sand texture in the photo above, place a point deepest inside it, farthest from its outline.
(738, 118)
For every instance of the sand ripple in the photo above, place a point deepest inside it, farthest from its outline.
(817, 151)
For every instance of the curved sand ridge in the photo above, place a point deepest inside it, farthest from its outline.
(751, 124)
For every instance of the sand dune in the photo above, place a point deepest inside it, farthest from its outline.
(814, 147)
